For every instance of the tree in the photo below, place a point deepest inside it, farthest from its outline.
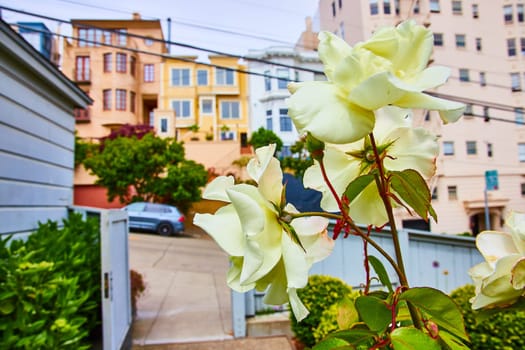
(263, 137)
(299, 161)
(148, 169)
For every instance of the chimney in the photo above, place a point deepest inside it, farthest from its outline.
(136, 16)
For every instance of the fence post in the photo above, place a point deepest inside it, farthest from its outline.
(238, 314)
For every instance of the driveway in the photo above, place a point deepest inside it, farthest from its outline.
(186, 298)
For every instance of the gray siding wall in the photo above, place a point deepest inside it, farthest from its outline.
(36, 149)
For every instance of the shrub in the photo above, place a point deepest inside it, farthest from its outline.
(320, 293)
(50, 286)
(501, 331)
(137, 288)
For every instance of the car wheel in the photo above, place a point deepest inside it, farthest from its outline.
(165, 229)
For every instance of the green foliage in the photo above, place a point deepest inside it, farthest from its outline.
(340, 315)
(83, 150)
(263, 137)
(299, 161)
(50, 287)
(320, 293)
(147, 169)
(501, 331)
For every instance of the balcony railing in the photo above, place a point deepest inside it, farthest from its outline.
(82, 115)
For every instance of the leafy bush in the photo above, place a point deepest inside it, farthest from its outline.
(320, 293)
(50, 286)
(501, 331)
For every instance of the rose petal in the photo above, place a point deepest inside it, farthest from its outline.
(298, 308)
(494, 245)
(216, 190)
(449, 111)
(518, 274)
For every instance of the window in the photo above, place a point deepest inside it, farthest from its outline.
(475, 11)
(285, 122)
(227, 135)
(523, 189)
(489, 150)
(478, 44)
(460, 40)
(464, 74)
(164, 125)
(522, 42)
(132, 101)
(521, 152)
(519, 115)
(340, 3)
(341, 34)
(148, 41)
(448, 148)
(120, 100)
(180, 77)
(82, 68)
(515, 81)
(415, 10)
(511, 47)
(230, 110)
(457, 8)
(519, 10)
(471, 148)
(438, 39)
(333, 8)
(434, 6)
(452, 192)
(224, 76)
(89, 37)
(182, 108)
(486, 114)
(149, 72)
(202, 77)
(267, 81)
(507, 14)
(284, 76)
(269, 120)
(108, 60)
(106, 99)
(132, 66)
(434, 193)
(482, 79)
(121, 62)
(207, 106)
(374, 7)
(122, 37)
(386, 7)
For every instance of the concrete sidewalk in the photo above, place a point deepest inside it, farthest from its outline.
(187, 303)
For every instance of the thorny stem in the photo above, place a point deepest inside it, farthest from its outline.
(383, 191)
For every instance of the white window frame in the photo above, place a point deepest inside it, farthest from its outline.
(225, 82)
(230, 102)
(201, 104)
(448, 148)
(521, 152)
(180, 69)
(182, 109)
(207, 77)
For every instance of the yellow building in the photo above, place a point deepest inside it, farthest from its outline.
(205, 105)
(117, 62)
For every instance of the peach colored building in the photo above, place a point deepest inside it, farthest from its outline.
(483, 43)
(110, 64)
(205, 105)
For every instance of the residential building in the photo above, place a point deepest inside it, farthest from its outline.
(483, 44)
(276, 67)
(205, 105)
(41, 38)
(38, 132)
(117, 62)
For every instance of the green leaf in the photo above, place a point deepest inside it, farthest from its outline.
(412, 339)
(329, 344)
(347, 314)
(374, 313)
(7, 307)
(358, 185)
(355, 336)
(451, 342)
(439, 306)
(379, 268)
(413, 189)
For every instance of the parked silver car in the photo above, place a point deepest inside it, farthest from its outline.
(161, 218)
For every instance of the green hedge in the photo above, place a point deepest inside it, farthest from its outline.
(320, 293)
(50, 286)
(501, 331)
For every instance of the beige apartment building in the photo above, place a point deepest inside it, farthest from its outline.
(111, 61)
(483, 43)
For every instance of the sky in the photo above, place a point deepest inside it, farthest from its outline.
(233, 26)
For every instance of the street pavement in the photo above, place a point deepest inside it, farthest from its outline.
(186, 304)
